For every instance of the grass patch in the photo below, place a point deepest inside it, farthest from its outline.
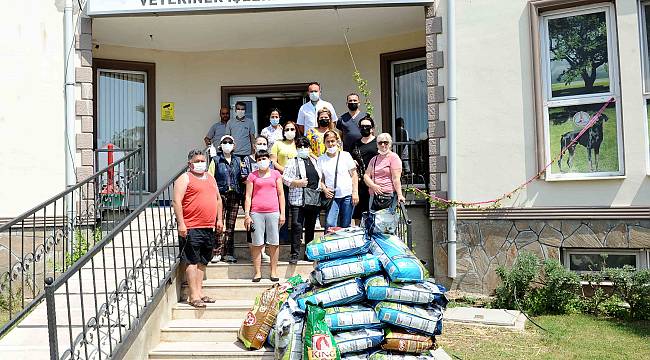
(578, 88)
(569, 337)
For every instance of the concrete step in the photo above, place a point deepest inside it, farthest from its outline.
(222, 309)
(201, 330)
(207, 350)
(240, 235)
(243, 252)
(245, 270)
(229, 289)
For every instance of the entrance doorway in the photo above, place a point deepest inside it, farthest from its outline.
(260, 99)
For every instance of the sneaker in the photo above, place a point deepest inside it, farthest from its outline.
(265, 258)
(317, 226)
(215, 259)
(230, 259)
(294, 259)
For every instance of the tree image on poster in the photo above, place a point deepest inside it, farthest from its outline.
(578, 54)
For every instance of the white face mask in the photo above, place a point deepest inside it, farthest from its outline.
(290, 135)
(227, 148)
(200, 167)
(314, 96)
(274, 121)
(303, 153)
(333, 150)
(263, 164)
(240, 113)
(259, 147)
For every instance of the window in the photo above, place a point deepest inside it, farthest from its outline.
(579, 76)
(645, 46)
(589, 260)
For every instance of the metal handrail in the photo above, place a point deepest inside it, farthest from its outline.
(47, 239)
(405, 223)
(113, 319)
(68, 191)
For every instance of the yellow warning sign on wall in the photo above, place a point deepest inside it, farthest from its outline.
(167, 111)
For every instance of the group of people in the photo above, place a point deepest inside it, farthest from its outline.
(288, 174)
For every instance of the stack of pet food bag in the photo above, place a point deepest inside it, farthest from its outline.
(369, 297)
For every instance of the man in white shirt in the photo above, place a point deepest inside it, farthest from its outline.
(307, 113)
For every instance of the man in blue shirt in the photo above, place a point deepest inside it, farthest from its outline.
(218, 129)
(348, 123)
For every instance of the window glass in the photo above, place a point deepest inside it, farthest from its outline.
(578, 54)
(646, 14)
(579, 65)
(597, 262)
(595, 151)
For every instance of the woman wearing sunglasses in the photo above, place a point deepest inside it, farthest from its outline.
(363, 151)
(383, 176)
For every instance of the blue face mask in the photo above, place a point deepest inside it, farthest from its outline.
(303, 153)
(274, 121)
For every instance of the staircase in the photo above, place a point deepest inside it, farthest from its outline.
(211, 333)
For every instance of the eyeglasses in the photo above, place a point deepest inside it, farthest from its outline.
(227, 142)
(382, 142)
(289, 129)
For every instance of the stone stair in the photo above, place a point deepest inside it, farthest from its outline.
(211, 333)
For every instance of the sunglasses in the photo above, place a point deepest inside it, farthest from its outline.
(382, 142)
(289, 129)
(365, 127)
(327, 119)
(227, 142)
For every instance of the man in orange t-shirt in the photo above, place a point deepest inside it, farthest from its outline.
(197, 205)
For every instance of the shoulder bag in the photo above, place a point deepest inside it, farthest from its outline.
(310, 197)
(326, 203)
(380, 201)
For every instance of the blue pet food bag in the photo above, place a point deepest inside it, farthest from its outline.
(327, 272)
(358, 340)
(415, 318)
(342, 243)
(428, 292)
(399, 262)
(352, 317)
(342, 293)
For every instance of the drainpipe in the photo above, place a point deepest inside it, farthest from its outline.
(451, 133)
(70, 140)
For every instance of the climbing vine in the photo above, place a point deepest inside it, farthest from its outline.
(362, 86)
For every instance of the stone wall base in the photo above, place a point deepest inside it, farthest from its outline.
(483, 245)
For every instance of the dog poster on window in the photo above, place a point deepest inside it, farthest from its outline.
(594, 152)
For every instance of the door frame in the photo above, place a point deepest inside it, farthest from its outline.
(385, 71)
(228, 91)
(150, 70)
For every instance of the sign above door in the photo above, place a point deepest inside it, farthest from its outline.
(131, 7)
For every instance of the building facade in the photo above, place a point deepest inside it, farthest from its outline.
(530, 76)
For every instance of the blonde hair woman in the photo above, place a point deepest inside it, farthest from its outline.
(383, 176)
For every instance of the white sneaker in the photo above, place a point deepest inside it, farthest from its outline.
(265, 258)
(317, 226)
(215, 259)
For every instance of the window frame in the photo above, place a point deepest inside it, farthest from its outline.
(640, 254)
(645, 68)
(549, 102)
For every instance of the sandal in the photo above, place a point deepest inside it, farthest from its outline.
(208, 300)
(199, 304)
(257, 279)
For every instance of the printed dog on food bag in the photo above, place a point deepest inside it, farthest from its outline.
(591, 140)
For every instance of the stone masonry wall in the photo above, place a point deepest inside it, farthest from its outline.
(483, 245)
(84, 99)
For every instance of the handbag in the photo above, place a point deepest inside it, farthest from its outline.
(326, 203)
(380, 201)
(310, 197)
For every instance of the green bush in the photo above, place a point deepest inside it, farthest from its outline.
(516, 282)
(557, 293)
(633, 287)
(593, 304)
(614, 307)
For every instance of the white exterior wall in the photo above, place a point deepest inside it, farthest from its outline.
(193, 80)
(31, 104)
(496, 116)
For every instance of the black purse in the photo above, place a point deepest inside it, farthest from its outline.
(326, 203)
(310, 197)
(380, 201)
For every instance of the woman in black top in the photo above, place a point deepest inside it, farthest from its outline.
(299, 174)
(364, 149)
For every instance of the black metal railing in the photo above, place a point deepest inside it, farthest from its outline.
(404, 226)
(47, 240)
(415, 163)
(96, 308)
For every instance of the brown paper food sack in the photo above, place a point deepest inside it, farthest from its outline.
(402, 341)
(261, 317)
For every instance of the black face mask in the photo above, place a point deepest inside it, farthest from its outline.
(353, 106)
(323, 122)
(365, 132)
